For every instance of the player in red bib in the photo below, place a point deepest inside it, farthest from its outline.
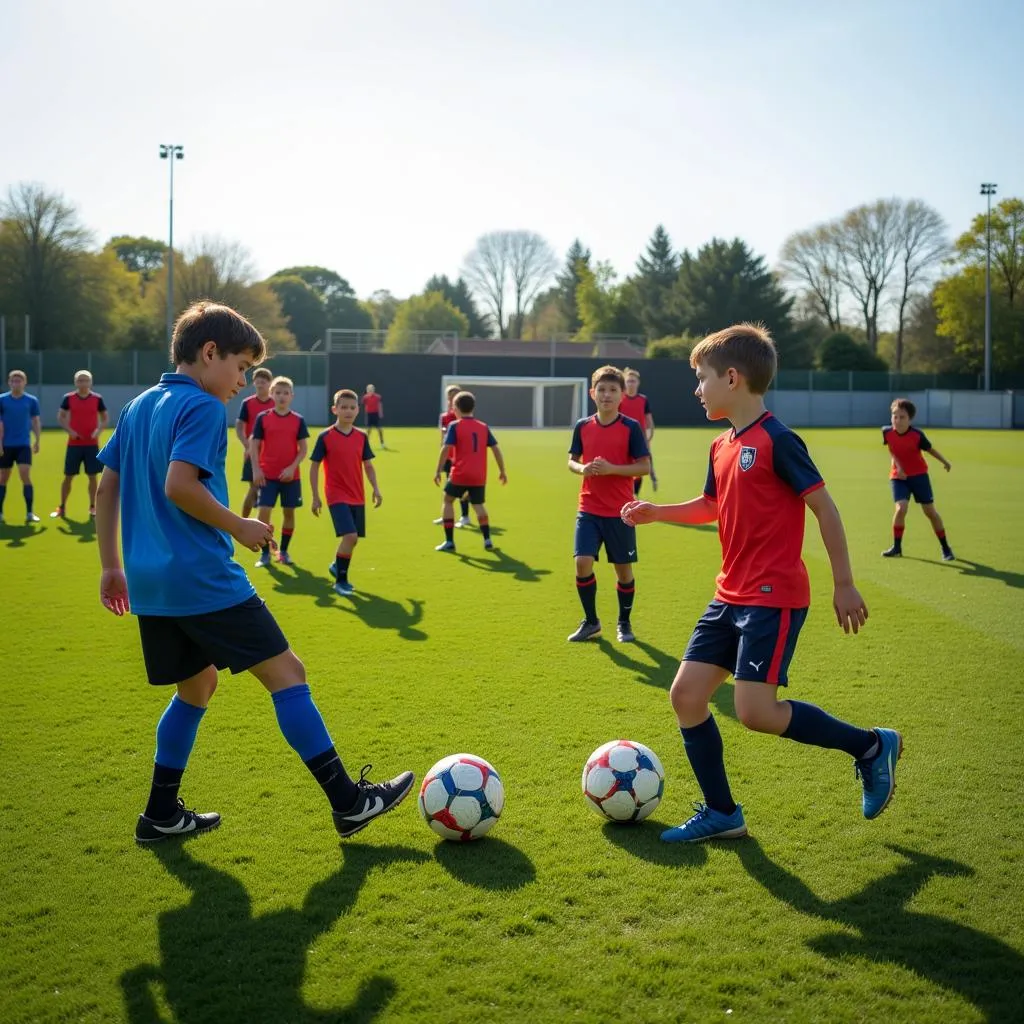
(373, 405)
(465, 443)
(277, 447)
(760, 478)
(638, 407)
(83, 414)
(908, 475)
(345, 453)
(446, 418)
(250, 408)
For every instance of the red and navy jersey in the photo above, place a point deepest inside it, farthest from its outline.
(468, 439)
(759, 478)
(250, 410)
(446, 418)
(280, 434)
(343, 456)
(620, 442)
(84, 418)
(906, 447)
(371, 402)
(636, 408)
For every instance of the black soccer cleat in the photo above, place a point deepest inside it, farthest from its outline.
(184, 823)
(893, 552)
(375, 799)
(585, 631)
(948, 556)
(624, 633)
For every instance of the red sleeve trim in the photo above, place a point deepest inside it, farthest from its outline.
(709, 497)
(813, 487)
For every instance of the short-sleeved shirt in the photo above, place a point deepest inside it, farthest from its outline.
(447, 417)
(343, 456)
(371, 403)
(250, 409)
(280, 434)
(469, 439)
(175, 564)
(636, 408)
(620, 442)
(84, 418)
(759, 478)
(17, 415)
(906, 447)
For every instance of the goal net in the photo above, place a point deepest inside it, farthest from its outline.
(524, 401)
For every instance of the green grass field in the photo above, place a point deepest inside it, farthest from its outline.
(819, 916)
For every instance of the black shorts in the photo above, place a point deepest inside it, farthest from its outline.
(80, 455)
(348, 519)
(178, 647)
(19, 453)
(592, 531)
(475, 495)
(918, 486)
(373, 419)
(247, 470)
(289, 490)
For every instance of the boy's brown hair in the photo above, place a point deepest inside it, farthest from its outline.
(465, 402)
(906, 405)
(282, 382)
(210, 321)
(18, 373)
(344, 393)
(612, 373)
(262, 373)
(451, 391)
(745, 347)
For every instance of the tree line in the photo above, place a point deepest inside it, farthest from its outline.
(880, 286)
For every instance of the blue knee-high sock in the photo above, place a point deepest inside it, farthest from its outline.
(175, 737)
(30, 495)
(3, 494)
(703, 745)
(810, 724)
(304, 729)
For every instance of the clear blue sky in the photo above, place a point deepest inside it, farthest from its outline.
(380, 139)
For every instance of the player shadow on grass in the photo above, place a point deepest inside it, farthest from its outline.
(16, 535)
(498, 561)
(978, 570)
(85, 532)
(220, 964)
(981, 969)
(487, 863)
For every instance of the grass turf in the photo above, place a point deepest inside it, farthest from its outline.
(818, 916)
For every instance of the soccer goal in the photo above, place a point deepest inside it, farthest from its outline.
(525, 401)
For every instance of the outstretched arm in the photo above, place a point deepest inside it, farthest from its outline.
(851, 611)
(692, 513)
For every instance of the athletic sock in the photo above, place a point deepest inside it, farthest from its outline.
(286, 539)
(809, 724)
(485, 527)
(586, 587)
(449, 530)
(3, 494)
(703, 746)
(328, 770)
(163, 792)
(464, 505)
(175, 737)
(897, 536)
(341, 566)
(265, 551)
(941, 534)
(625, 592)
(30, 495)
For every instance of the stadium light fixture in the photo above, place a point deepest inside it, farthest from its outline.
(988, 189)
(170, 153)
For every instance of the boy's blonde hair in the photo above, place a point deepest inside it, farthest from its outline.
(609, 372)
(262, 373)
(630, 372)
(83, 373)
(451, 391)
(18, 373)
(344, 393)
(285, 382)
(747, 348)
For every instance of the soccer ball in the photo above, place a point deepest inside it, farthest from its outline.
(461, 797)
(623, 780)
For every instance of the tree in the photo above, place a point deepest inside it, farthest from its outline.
(840, 352)
(656, 272)
(430, 312)
(531, 264)
(547, 318)
(381, 308)
(1007, 247)
(811, 260)
(604, 306)
(921, 245)
(303, 308)
(139, 254)
(671, 347)
(566, 283)
(324, 282)
(459, 295)
(486, 269)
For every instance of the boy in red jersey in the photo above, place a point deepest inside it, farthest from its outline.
(345, 454)
(83, 415)
(466, 443)
(250, 408)
(607, 450)
(277, 447)
(638, 407)
(760, 478)
(448, 417)
(373, 404)
(909, 475)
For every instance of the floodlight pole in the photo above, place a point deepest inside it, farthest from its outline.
(988, 189)
(170, 153)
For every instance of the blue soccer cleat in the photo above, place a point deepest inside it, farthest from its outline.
(878, 774)
(707, 824)
(343, 588)
(263, 561)
(446, 546)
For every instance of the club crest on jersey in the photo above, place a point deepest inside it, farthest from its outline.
(747, 457)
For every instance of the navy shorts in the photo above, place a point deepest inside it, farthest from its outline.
(178, 647)
(447, 468)
(619, 539)
(247, 470)
(753, 642)
(918, 486)
(348, 519)
(290, 492)
(636, 485)
(80, 455)
(19, 453)
(373, 419)
(475, 495)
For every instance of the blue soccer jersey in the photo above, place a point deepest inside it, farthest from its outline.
(175, 565)
(17, 414)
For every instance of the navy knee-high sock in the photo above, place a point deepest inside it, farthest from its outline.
(586, 587)
(627, 593)
(30, 497)
(810, 724)
(175, 737)
(703, 745)
(3, 494)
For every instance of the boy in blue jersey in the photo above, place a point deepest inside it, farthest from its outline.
(197, 610)
(19, 421)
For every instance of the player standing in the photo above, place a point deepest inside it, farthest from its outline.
(83, 415)
(19, 423)
(448, 417)
(250, 408)
(638, 407)
(373, 404)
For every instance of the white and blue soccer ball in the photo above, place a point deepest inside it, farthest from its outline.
(461, 797)
(623, 780)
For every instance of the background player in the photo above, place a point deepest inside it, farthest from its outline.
(607, 450)
(250, 408)
(909, 475)
(345, 453)
(759, 480)
(638, 407)
(83, 415)
(466, 442)
(373, 404)
(448, 417)
(277, 448)
(19, 423)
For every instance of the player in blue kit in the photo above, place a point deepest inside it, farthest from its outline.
(198, 613)
(19, 423)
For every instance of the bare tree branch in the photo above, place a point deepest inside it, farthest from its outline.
(486, 269)
(922, 245)
(811, 258)
(532, 263)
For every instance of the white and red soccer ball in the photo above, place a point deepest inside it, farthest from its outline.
(461, 797)
(623, 780)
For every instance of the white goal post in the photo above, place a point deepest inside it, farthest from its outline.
(524, 401)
